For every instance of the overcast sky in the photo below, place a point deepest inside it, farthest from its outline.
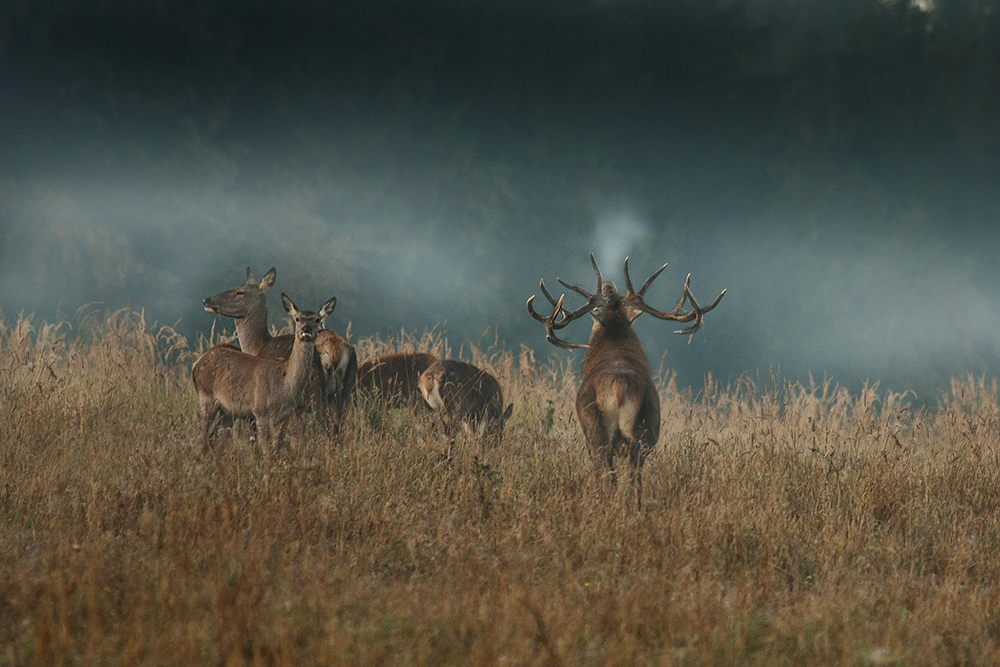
(834, 164)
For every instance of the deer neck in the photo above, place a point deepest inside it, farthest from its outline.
(252, 331)
(615, 342)
(299, 364)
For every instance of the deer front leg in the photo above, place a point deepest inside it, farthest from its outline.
(265, 434)
(210, 418)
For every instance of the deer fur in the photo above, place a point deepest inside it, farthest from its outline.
(465, 396)
(241, 385)
(335, 362)
(618, 404)
(394, 379)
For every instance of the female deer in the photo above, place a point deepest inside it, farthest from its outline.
(242, 385)
(335, 363)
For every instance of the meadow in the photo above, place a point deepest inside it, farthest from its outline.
(783, 523)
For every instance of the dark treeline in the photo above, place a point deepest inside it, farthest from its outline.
(497, 132)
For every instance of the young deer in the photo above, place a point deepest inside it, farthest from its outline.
(242, 385)
(617, 403)
(464, 395)
(394, 379)
(335, 361)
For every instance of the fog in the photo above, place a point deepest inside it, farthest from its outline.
(834, 165)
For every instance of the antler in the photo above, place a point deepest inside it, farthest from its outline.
(631, 300)
(552, 323)
(634, 300)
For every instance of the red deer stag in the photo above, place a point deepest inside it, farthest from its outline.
(335, 364)
(393, 379)
(242, 385)
(465, 396)
(617, 403)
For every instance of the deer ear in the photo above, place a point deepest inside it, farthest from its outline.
(632, 314)
(267, 280)
(250, 279)
(601, 315)
(289, 306)
(328, 308)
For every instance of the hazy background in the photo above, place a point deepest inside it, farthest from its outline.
(834, 163)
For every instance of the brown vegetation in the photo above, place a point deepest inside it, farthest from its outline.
(783, 524)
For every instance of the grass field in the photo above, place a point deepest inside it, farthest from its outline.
(783, 524)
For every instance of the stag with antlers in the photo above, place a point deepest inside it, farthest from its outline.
(618, 404)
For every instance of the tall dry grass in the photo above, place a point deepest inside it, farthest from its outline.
(784, 524)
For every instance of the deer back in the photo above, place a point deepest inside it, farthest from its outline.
(394, 378)
(617, 392)
(245, 385)
(465, 393)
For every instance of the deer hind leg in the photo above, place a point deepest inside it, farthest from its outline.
(639, 448)
(602, 453)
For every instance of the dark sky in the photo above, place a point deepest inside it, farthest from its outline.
(835, 164)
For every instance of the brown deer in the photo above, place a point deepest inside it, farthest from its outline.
(618, 404)
(465, 396)
(242, 385)
(335, 361)
(393, 379)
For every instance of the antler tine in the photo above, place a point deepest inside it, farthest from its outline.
(684, 294)
(566, 319)
(714, 303)
(649, 280)
(541, 283)
(642, 290)
(697, 312)
(569, 316)
(551, 324)
(634, 300)
(597, 272)
(580, 290)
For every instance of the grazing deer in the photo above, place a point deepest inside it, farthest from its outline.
(394, 379)
(335, 361)
(617, 403)
(464, 395)
(242, 385)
